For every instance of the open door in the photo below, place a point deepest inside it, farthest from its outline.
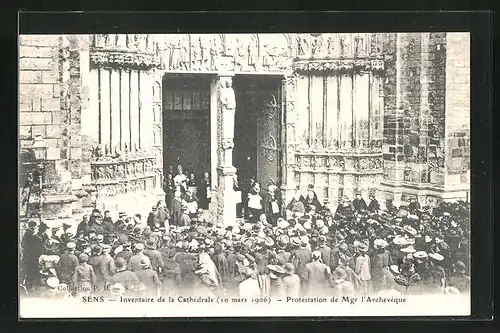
(269, 139)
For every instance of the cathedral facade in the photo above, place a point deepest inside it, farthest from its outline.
(380, 113)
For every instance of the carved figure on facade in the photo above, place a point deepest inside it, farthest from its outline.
(131, 41)
(120, 171)
(266, 57)
(253, 52)
(196, 58)
(359, 45)
(100, 173)
(227, 96)
(121, 41)
(317, 45)
(99, 40)
(150, 43)
(205, 53)
(184, 54)
(239, 55)
(330, 46)
(214, 53)
(344, 45)
(302, 45)
(227, 143)
(110, 40)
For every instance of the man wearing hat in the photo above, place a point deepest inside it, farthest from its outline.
(96, 224)
(32, 249)
(300, 257)
(317, 276)
(414, 205)
(148, 277)
(84, 275)
(83, 227)
(133, 263)
(277, 286)
(325, 250)
(362, 263)
(128, 279)
(459, 278)
(373, 205)
(291, 280)
(107, 222)
(184, 219)
(282, 256)
(154, 217)
(311, 199)
(176, 208)
(436, 271)
(380, 262)
(154, 255)
(359, 203)
(125, 253)
(121, 223)
(67, 263)
(106, 266)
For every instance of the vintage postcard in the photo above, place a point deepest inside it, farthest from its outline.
(224, 175)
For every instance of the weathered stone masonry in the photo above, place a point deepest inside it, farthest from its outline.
(371, 112)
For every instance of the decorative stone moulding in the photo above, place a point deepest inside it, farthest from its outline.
(339, 66)
(122, 58)
(125, 175)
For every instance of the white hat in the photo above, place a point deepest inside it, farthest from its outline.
(436, 256)
(52, 282)
(71, 245)
(451, 291)
(398, 240)
(380, 243)
(420, 255)
(320, 223)
(394, 269)
(304, 240)
(409, 249)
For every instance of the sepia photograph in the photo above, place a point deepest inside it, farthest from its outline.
(249, 175)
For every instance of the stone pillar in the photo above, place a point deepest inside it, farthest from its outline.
(226, 107)
(289, 96)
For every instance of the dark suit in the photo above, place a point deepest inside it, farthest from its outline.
(32, 249)
(373, 205)
(176, 211)
(359, 204)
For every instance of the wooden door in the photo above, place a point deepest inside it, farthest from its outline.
(269, 139)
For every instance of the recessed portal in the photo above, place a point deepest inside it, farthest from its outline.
(186, 119)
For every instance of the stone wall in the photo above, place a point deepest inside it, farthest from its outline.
(422, 102)
(50, 99)
(457, 167)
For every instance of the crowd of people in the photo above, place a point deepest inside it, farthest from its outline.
(300, 249)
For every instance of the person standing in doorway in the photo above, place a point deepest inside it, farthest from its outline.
(180, 180)
(169, 188)
(205, 191)
(254, 203)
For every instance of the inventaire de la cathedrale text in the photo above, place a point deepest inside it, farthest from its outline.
(233, 300)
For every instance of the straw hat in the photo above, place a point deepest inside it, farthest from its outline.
(398, 240)
(52, 282)
(409, 249)
(420, 255)
(436, 256)
(380, 243)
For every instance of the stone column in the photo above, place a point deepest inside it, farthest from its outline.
(226, 107)
(288, 182)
